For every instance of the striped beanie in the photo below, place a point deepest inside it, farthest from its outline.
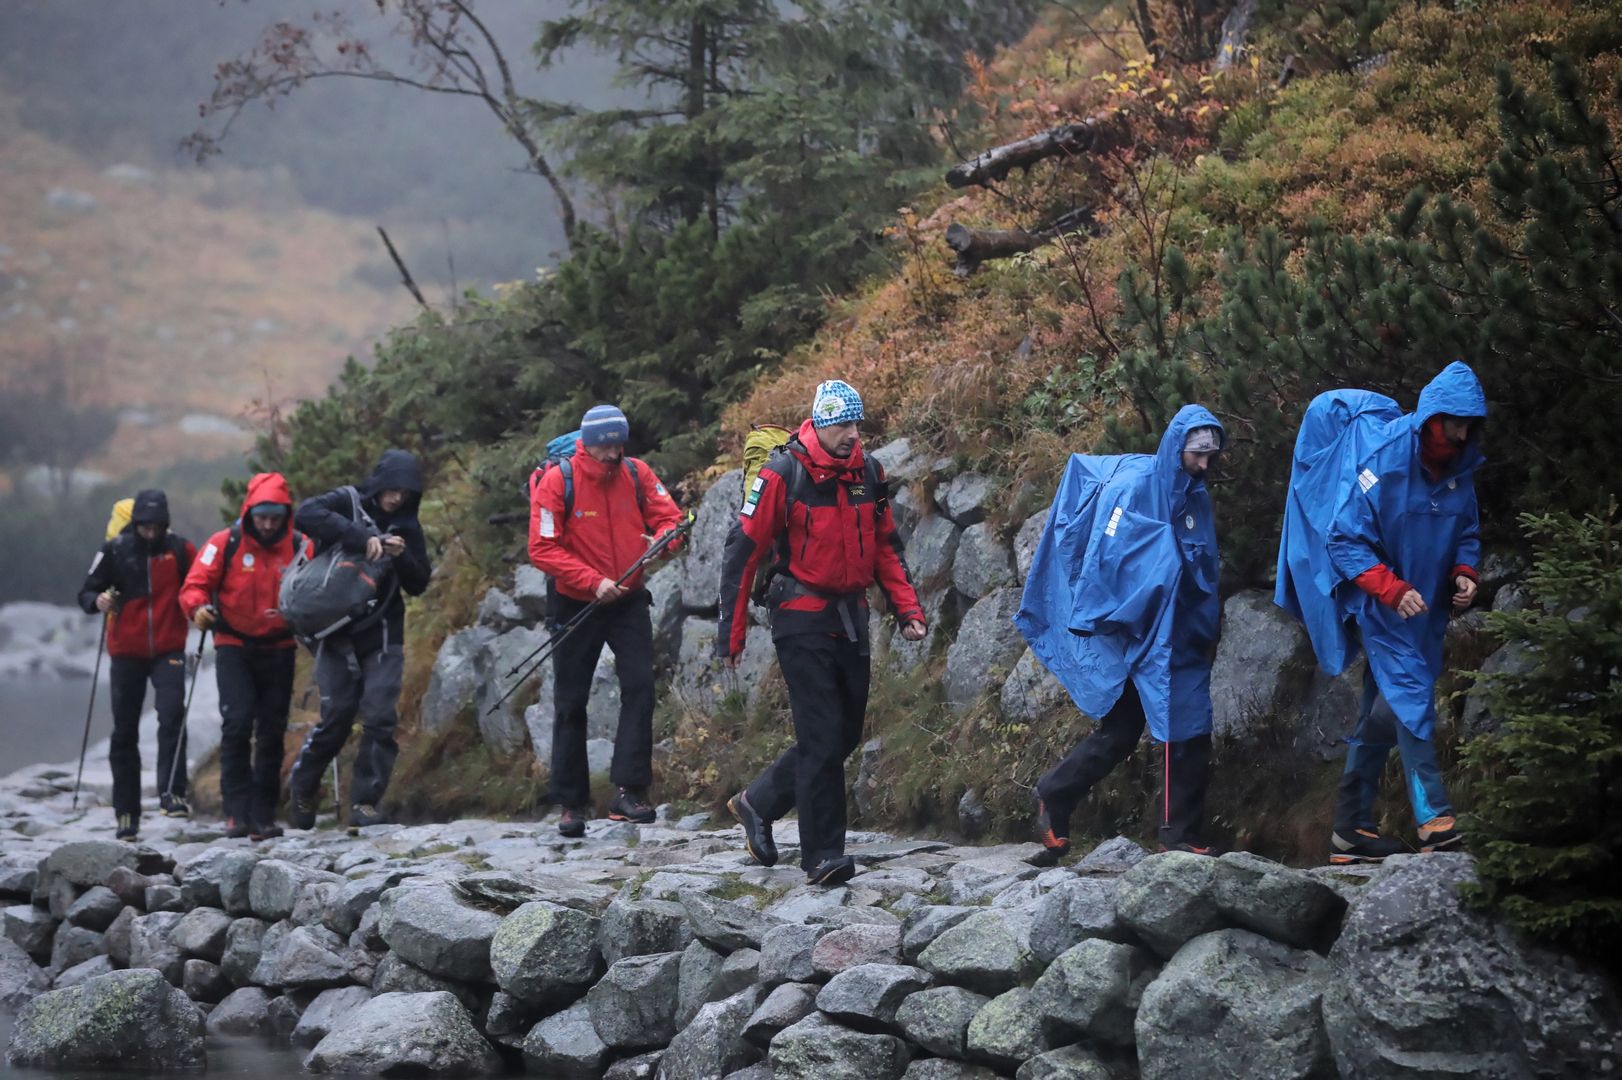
(835, 402)
(604, 424)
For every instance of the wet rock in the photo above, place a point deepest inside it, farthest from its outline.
(306, 958)
(713, 1044)
(498, 611)
(1072, 912)
(785, 953)
(508, 1019)
(818, 1049)
(1234, 1004)
(565, 1045)
(983, 562)
(203, 981)
(529, 592)
(327, 1013)
(21, 980)
(640, 927)
(852, 946)
(127, 1020)
(928, 923)
(1066, 1063)
(150, 946)
(1031, 693)
(202, 932)
(988, 952)
(431, 928)
(235, 873)
(315, 899)
(701, 567)
(356, 895)
(60, 895)
(938, 1019)
(932, 548)
(164, 896)
(942, 1069)
(784, 1007)
(972, 815)
(405, 1034)
(545, 953)
(664, 585)
(245, 1011)
(96, 909)
(725, 924)
(1277, 901)
(74, 945)
(697, 975)
(1008, 1030)
(966, 498)
(17, 880)
(283, 1013)
(116, 939)
(987, 647)
(83, 972)
(867, 996)
(1415, 975)
(395, 976)
(130, 887)
(199, 879)
(1113, 856)
(32, 929)
(273, 887)
(84, 863)
(504, 729)
(1090, 993)
(1263, 663)
(633, 1007)
(244, 944)
(901, 460)
(1170, 898)
(1513, 658)
(640, 1067)
(1025, 541)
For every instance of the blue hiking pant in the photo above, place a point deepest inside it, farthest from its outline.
(1378, 731)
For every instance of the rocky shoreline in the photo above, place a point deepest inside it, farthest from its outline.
(661, 951)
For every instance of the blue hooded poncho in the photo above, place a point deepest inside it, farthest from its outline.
(1124, 584)
(1358, 498)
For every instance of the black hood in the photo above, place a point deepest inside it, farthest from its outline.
(151, 508)
(396, 469)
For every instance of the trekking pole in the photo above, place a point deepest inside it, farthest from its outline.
(544, 651)
(84, 744)
(185, 714)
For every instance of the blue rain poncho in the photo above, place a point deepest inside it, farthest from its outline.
(1358, 498)
(1124, 584)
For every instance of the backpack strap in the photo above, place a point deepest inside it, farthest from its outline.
(636, 482)
(178, 546)
(567, 465)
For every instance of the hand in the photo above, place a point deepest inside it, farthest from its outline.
(1412, 604)
(1466, 594)
(393, 545)
(913, 630)
(203, 618)
(105, 602)
(374, 548)
(608, 592)
(732, 661)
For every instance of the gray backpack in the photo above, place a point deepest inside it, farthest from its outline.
(335, 591)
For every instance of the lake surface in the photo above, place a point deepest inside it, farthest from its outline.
(42, 719)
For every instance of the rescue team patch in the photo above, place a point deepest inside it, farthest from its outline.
(1366, 479)
(857, 490)
(1114, 521)
(753, 497)
(659, 489)
(549, 528)
(207, 557)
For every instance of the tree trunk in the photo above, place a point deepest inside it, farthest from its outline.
(975, 246)
(995, 164)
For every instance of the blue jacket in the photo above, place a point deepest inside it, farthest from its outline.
(1359, 497)
(1124, 584)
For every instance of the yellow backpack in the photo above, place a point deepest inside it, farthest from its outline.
(757, 447)
(122, 509)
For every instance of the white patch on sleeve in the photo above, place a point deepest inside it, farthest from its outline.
(95, 562)
(207, 557)
(549, 528)
(1114, 522)
(749, 508)
(660, 489)
(1366, 479)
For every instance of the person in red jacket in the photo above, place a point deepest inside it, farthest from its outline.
(589, 520)
(135, 582)
(233, 588)
(819, 514)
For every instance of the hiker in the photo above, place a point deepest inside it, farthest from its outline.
(358, 670)
(591, 516)
(1121, 605)
(816, 526)
(232, 590)
(1380, 546)
(135, 582)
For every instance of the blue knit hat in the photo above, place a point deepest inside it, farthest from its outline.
(835, 402)
(604, 424)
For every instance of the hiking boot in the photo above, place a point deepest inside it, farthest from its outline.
(173, 806)
(757, 832)
(573, 822)
(129, 826)
(631, 804)
(1362, 846)
(834, 870)
(1191, 846)
(1053, 830)
(235, 828)
(301, 810)
(362, 815)
(1439, 834)
(264, 832)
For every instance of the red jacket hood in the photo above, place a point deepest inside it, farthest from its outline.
(822, 465)
(267, 487)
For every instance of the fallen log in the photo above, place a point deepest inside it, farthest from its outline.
(995, 164)
(976, 246)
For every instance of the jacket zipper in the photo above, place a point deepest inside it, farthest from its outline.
(151, 641)
(608, 509)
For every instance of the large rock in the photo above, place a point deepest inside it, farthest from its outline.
(245, 1011)
(634, 1006)
(244, 945)
(926, 924)
(664, 585)
(395, 976)
(906, 656)
(405, 1035)
(701, 569)
(726, 924)
(96, 909)
(1416, 977)
(1169, 899)
(150, 946)
(932, 549)
(1513, 658)
(866, 996)
(1031, 694)
(274, 884)
(785, 953)
(21, 980)
(713, 1044)
(1091, 992)
(1116, 855)
(235, 874)
(852, 946)
(529, 592)
(698, 974)
(1072, 912)
(1277, 901)
(966, 498)
(202, 933)
(499, 611)
(504, 730)
(1065, 1063)
(818, 1049)
(201, 980)
(1025, 541)
(430, 927)
(130, 887)
(987, 642)
(116, 939)
(1007, 1030)
(306, 958)
(545, 953)
(983, 562)
(639, 927)
(327, 1013)
(84, 863)
(938, 1020)
(989, 952)
(784, 1007)
(1232, 1004)
(349, 904)
(32, 929)
(456, 680)
(901, 460)
(1263, 663)
(565, 1045)
(127, 1020)
(74, 945)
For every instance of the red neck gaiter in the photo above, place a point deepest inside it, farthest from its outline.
(1435, 452)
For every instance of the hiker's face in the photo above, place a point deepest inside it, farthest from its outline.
(608, 453)
(149, 533)
(1197, 464)
(1456, 429)
(838, 439)
(390, 499)
(268, 524)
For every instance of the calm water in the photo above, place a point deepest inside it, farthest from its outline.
(43, 719)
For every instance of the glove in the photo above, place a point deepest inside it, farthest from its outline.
(204, 618)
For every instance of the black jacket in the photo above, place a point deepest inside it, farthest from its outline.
(329, 519)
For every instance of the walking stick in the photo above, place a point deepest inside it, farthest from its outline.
(84, 744)
(544, 651)
(185, 713)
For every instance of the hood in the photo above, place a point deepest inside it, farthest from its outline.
(1454, 392)
(396, 469)
(267, 488)
(151, 508)
(822, 465)
(1169, 458)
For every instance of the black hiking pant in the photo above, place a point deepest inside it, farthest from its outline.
(827, 681)
(1186, 772)
(128, 677)
(353, 684)
(256, 690)
(626, 627)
